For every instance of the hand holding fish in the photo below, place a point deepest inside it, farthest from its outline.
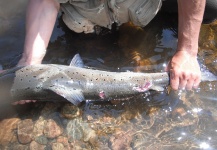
(184, 68)
(184, 71)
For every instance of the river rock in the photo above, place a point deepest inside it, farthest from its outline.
(41, 140)
(80, 145)
(35, 146)
(49, 109)
(70, 111)
(89, 133)
(58, 146)
(64, 141)
(39, 127)
(7, 127)
(52, 129)
(24, 132)
(74, 130)
(121, 141)
(20, 147)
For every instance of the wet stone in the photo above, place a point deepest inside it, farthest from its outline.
(74, 130)
(89, 133)
(49, 108)
(121, 141)
(64, 141)
(35, 146)
(7, 133)
(103, 143)
(52, 129)
(38, 127)
(20, 147)
(24, 132)
(80, 145)
(58, 146)
(41, 140)
(70, 111)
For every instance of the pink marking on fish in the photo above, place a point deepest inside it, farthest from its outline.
(102, 95)
(143, 88)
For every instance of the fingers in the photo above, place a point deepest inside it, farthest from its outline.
(184, 80)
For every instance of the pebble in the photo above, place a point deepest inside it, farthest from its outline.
(35, 146)
(121, 141)
(52, 129)
(49, 109)
(70, 111)
(78, 130)
(64, 141)
(80, 145)
(7, 127)
(74, 130)
(41, 140)
(24, 132)
(39, 127)
(20, 147)
(58, 146)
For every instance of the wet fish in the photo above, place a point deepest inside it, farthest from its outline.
(74, 83)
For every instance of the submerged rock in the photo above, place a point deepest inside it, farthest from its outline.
(78, 130)
(35, 146)
(49, 109)
(121, 141)
(58, 146)
(52, 129)
(20, 147)
(74, 130)
(41, 140)
(39, 127)
(80, 145)
(7, 133)
(64, 141)
(24, 132)
(70, 111)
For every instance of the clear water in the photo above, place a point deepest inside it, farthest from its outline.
(162, 121)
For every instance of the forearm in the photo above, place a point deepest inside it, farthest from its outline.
(190, 19)
(40, 20)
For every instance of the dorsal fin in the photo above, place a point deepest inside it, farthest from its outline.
(77, 61)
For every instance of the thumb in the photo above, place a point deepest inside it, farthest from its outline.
(167, 68)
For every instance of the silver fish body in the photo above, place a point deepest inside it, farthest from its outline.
(77, 84)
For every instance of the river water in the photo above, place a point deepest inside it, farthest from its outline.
(154, 120)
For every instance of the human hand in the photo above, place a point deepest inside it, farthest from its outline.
(184, 71)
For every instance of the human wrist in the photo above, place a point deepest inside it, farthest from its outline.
(185, 53)
(24, 61)
(31, 58)
(188, 50)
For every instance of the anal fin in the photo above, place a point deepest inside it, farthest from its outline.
(72, 95)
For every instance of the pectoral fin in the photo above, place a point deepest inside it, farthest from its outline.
(157, 88)
(72, 95)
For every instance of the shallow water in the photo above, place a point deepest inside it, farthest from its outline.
(161, 121)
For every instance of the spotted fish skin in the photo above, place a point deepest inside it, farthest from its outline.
(75, 84)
